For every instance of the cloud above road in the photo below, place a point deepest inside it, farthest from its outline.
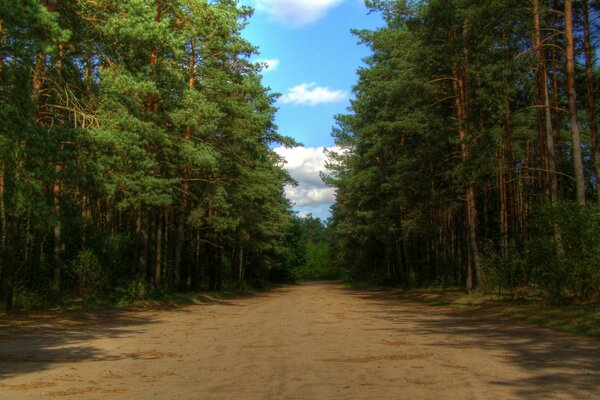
(311, 94)
(304, 164)
(296, 13)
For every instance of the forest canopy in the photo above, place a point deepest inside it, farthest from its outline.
(471, 152)
(135, 149)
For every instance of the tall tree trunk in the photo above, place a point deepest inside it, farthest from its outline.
(151, 104)
(10, 258)
(504, 230)
(555, 67)
(543, 89)
(589, 75)
(241, 262)
(39, 70)
(542, 83)
(143, 242)
(506, 160)
(572, 95)
(158, 248)
(470, 197)
(57, 192)
(2, 212)
(179, 247)
(557, 120)
(57, 232)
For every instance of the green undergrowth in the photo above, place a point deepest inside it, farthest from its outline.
(156, 299)
(581, 319)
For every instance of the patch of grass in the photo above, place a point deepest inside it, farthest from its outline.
(159, 299)
(580, 319)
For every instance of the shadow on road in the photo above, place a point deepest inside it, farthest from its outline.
(553, 361)
(32, 343)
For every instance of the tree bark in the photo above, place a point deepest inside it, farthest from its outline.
(470, 197)
(143, 240)
(572, 96)
(241, 263)
(57, 231)
(151, 104)
(10, 257)
(543, 88)
(57, 192)
(2, 214)
(589, 75)
(39, 71)
(179, 246)
(158, 248)
(506, 172)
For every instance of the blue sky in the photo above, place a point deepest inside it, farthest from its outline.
(313, 59)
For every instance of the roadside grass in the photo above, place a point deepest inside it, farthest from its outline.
(159, 299)
(580, 319)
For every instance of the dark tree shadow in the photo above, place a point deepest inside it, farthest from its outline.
(555, 362)
(30, 343)
(33, 343)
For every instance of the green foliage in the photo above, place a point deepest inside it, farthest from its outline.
(501, 271)
(309, 255)
(135, 150)
(42, 298)
(135, 289)
(318, 263)
(445, 149)
(118, 258)
(91, 277)
(561, 257)
(574, 271)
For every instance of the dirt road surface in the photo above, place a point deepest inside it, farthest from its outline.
(312, 341)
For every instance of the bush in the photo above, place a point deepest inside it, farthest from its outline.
(39, 299)
(318, 263)
(92, 280)
(136, 289)
(119, 258)
(502, 271)
(564, 251)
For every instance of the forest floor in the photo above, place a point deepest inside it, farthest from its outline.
(310, 341)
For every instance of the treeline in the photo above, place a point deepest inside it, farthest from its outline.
(134, 149)
(309, 253)
(471, 155)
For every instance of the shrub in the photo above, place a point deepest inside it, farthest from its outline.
(501, 271)
(92, 280)
(564, 251)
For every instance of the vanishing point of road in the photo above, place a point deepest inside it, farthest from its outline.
(310, 341)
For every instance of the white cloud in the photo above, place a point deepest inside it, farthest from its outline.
(296, 13)
(303, 214)
(304, 165)
(311, 94)
(270, 64)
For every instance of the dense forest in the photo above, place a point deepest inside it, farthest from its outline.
(470, 155)
(135, 151)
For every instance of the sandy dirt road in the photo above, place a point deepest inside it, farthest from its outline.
(312, 341)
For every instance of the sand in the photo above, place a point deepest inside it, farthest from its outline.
(310, 341)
